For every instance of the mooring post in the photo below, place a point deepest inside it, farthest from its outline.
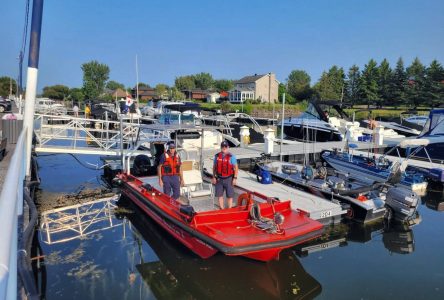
(31, 81)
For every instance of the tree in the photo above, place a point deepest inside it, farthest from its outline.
(398, 83)
(143, 85)
(203, 81)
(114, 85)
(176, 94)
(76, 94)
(7, 86)
(184, 83)
(298, 85)
(223, 85)
(434, 85)
(57, 92)
(161, 90)
(369, 81)
(288, 98)
(353, 84)
(331, 84)
(95, 75)
(415, 82)
(384, 81)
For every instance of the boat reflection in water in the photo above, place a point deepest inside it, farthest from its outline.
(434, 200)
(179, 274)
(397, 237)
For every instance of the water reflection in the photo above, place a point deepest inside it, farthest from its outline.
(396, 237)
(434, 200)
(179, 274)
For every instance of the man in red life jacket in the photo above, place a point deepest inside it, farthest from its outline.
(170, 172)
(225, 174)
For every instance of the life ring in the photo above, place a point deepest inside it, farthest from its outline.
(362, 198)
(245, 196)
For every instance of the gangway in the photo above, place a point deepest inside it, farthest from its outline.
(91, 136)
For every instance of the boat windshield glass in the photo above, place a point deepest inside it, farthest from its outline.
(186, 119)
(434, 125)
(311, 113)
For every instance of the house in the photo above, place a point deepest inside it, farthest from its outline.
(196, 94)
(119, 93)
(256, 87)
(213, 97)
(145, 93)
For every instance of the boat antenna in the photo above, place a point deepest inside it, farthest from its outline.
(137, 80)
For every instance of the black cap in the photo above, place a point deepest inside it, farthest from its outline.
(224, 144)
(171, 145)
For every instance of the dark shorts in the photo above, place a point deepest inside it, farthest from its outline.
(225, 184)
(171, 186)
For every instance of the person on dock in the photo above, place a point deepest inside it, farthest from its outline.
(75, 109)
(87, 111)
(225, 174)
(170, 172)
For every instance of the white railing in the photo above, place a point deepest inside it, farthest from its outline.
(11, 207)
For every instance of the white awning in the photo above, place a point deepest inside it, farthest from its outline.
(413, 143)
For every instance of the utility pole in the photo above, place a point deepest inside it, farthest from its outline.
(31, 81)
(137, 80)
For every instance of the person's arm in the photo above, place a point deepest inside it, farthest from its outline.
(236, 169)
(159, 170)
(214, 180)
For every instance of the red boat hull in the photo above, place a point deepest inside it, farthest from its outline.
(228, 231)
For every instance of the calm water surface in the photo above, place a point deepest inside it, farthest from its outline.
(130, 257)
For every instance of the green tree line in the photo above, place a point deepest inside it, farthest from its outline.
(377, 84)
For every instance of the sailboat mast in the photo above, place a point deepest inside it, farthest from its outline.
(137, 80)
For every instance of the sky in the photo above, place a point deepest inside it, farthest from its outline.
(229, 39)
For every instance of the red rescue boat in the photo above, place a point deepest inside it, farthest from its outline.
(260, 228)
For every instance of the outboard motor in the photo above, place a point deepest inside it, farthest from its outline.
(264, 176)
(402, 202)
(141, 165)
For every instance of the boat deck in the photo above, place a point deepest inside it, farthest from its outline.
(318, 209)
(411, 162)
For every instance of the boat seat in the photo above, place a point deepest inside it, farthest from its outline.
(194, 186)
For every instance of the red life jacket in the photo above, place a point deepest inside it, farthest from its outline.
(171, 165)
(224, 168)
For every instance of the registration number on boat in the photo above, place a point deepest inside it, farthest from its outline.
(326, 214)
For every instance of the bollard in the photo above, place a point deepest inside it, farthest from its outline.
(244, 136)
(379, 135)
(269, 140)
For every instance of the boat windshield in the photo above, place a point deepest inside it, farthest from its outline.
(310, 113)
(435, 124)
(186, 119)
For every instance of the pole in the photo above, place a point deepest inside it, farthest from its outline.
(137, 80)
(282, 124)
(31, 82)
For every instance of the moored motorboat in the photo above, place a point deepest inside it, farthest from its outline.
(259, 230)
(364, 206)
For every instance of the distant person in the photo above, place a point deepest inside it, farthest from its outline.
(372, 123)
(87, 111)
(225, 174)
(170, 172)
(75, 109)
(326, 114)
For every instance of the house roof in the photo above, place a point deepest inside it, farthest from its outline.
(119, 93)
(243, 89)
(250, 79)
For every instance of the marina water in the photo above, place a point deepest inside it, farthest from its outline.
(129, 257)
